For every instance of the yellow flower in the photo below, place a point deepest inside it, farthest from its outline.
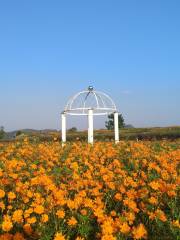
(176, 223)
(59, 236)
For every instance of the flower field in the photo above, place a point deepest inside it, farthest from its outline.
(106, 191)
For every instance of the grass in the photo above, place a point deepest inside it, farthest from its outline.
(156, 133)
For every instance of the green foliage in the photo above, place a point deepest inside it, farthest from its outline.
(2, 132)
(110, 123)
(18, 133)
(73, 129)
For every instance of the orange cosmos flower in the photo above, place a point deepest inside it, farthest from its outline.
(72, 221)
(118, 196)
(31, 220)
(39, 209)
(161, 215)
(2, 205)
(6, 236)
(44, 218)
(7, 224)
(139, 232)
(17, 216)
(176, 223)
(124, 228)
(11, 195)
(60, 214)
(2, 193)
(113, 213)
(84, 212)
(27, 229)
(153, 200)
(59, 236)
(18, 236)
(154, 185)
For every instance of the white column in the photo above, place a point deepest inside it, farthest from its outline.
(63, 129)
(116, 127)
(90, 126)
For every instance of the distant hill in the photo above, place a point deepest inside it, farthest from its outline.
(12, 134)
(128, 126)
(29, 130)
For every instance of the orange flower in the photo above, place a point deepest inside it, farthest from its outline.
(2, 193)
(176, 223)
(11, 195)
(113, 213)
(31, 220)
(18, 236)
(44, 218)
(124, 228)
(28, 212)
(27, 229)
(107, 227)
(6, 236)
(154, 185)
(39, 209)
(153, 200)
(72, 221)
(17, 216)
(7, 224)
(60, 214)
(118, 196)
(84, 212)
(2, 205)
(161, 215)
(59, 236)
(130, 217)
(139, 232)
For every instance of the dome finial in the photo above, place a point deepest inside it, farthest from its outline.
(90, 88)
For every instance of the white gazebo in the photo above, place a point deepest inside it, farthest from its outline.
(89, 103)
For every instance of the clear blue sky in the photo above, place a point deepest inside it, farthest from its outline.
(52, 49)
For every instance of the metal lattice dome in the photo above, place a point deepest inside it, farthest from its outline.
(99, 102)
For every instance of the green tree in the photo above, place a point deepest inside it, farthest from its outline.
(18, 133)
(73, 129)
(110, 123)
(2, 132)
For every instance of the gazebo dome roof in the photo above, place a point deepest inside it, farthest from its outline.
(99, 102)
